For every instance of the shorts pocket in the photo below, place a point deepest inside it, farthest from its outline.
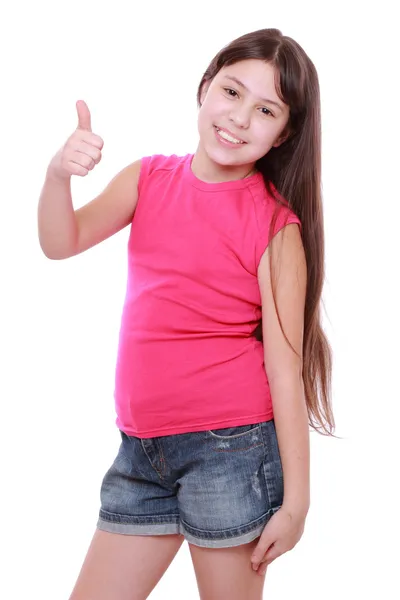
(272, 466)
(233, 432)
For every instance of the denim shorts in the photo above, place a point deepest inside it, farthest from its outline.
(217, 488)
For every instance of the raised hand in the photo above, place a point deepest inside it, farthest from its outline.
(81, 152)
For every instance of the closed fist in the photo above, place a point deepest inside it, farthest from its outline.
(82, 150)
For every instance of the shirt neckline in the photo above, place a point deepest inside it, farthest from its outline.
(235, 184)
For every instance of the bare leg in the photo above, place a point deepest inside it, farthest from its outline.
(227, 573)
(124, 567)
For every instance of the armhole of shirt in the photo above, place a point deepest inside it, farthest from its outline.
(285, 217)
(144, 172)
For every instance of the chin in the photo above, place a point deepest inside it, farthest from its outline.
(231, 157)
(220, 159)
(225, 158)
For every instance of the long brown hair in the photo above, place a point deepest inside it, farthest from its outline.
(292, 174)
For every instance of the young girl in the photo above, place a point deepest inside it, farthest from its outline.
(222, 362)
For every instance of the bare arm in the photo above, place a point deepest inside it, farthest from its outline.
(64, 232)
(283, 368)
(57, 226)
(109, 212)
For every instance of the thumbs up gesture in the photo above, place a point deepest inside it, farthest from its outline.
(81, 152)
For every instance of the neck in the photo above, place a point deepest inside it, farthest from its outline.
(211, 172)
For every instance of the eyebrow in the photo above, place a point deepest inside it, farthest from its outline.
(266, 100)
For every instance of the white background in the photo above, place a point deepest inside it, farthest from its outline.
(137, 65)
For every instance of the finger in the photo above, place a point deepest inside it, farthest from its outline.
(264, 564)
(90, 150)
(90, 138)
(259, 552)
(84, 118)
(76, 169)
(81, 158)
(263, 569)
(97, 141)
(272, 554)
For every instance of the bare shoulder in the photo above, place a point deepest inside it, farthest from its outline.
(290, 283)
(110, 211)
(287, 251)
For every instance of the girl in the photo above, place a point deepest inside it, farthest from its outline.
(222, 361)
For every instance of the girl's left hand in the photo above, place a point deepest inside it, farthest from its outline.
(281, 534)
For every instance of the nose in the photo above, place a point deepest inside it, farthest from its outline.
(240, 117)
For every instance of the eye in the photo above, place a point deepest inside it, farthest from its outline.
(268, 112)
(230, 92)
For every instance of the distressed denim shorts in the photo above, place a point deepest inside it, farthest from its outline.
(217, 488)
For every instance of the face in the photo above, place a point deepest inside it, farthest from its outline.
(241, 117)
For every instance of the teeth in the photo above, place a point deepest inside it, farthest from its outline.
(228, 137)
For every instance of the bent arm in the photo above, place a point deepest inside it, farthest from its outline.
(64, 232)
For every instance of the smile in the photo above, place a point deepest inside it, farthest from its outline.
(228, 137)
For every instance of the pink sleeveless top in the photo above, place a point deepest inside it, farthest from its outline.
(187, 359)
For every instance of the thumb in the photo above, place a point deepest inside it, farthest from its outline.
(84, 119)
